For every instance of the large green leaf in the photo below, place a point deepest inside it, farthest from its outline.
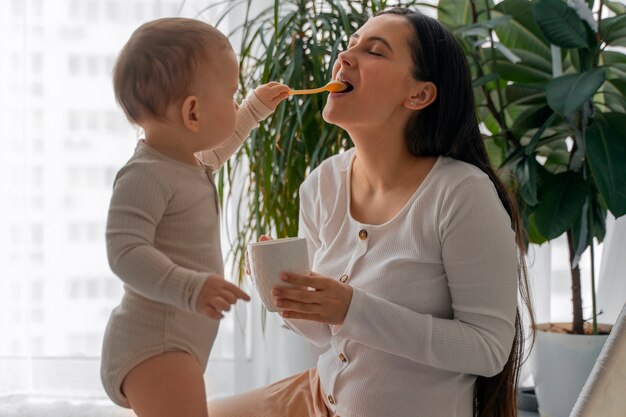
(615, 64)
(522, 31)
(494, 150)
(526, 171)
(614, 94)
(568, 92)
(560, 24)
(537, 135)
(616, 6)
(613, 57)
(591, 223)
(605, 145)
(613, 30)
(557, 156)
(561, 198)
(520, 94)
(532, 117)
(533, 69)
(533, 234)
(458, 13)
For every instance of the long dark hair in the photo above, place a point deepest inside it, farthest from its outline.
(449, 127)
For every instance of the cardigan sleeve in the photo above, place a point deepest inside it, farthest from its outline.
(250, 113)
(480, 261)
(138, 203)
(317, 333)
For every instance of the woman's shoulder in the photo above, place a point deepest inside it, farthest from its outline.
(458, 183)
(329, 173)
(456, 171)
(451, 175)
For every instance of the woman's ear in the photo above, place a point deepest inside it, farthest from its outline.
(190, 114)
(423, 96)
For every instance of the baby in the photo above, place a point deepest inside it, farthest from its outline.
(176, 79)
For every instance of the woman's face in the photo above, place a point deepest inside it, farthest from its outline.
(378, 64)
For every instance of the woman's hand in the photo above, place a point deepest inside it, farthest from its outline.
(272, 93)
(328, 303)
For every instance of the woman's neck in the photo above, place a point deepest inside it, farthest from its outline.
(384, 176)
(383, 162)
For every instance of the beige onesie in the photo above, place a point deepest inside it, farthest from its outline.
(163, 241)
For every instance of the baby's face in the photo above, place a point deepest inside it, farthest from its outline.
(219, 82)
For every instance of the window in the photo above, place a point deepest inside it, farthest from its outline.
(65, 139)
(37, 63)
(73, 64)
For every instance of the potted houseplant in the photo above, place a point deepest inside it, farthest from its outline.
(552, 96)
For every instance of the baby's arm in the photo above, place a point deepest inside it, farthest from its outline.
(140, 198)
(256, 107)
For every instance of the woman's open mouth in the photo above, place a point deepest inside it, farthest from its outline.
(349, 88)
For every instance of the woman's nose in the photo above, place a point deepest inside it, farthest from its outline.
(345, 59)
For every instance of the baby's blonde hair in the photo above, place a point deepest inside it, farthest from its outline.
(159, 65)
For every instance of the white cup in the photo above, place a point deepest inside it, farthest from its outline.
(270, 258)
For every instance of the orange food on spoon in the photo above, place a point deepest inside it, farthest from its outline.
(335, 86)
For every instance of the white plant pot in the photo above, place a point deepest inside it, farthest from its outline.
(561, 365)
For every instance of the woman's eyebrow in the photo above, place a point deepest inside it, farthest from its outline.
(373, 39)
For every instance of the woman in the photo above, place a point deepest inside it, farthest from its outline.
(417, 247)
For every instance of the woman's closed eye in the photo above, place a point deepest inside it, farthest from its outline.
(374, 52)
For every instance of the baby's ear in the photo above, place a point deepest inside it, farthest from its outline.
(189, 112)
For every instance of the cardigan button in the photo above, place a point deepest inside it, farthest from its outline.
(331, 399)
(363, 234)
(343, 358)
(344, 278)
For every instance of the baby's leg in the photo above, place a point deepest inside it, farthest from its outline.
(167, 385)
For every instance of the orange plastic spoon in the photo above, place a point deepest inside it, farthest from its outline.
(335, 86)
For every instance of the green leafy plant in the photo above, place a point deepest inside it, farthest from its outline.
(551, 95)
(294, 42)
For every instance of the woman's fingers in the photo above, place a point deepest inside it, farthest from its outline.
(289, 305)
(302, 316)
(328, 303)
(304, 296)
(317, 282)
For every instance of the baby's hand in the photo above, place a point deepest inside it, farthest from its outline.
(272, 93)
(218, 295)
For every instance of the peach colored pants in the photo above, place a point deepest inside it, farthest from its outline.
(298, 396)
